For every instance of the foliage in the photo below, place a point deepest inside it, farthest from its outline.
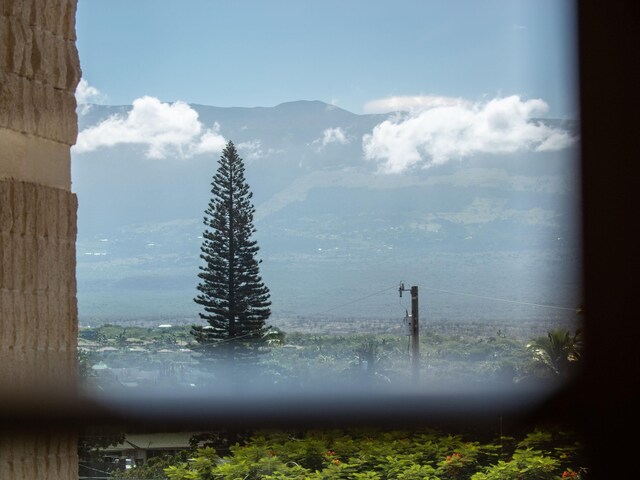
(91, 446)
(221, 440)
(379, 360)
(557, 353)
(305, 360)
(154, 469)
(108, 333)
(205, 460)
(527, 464)
(382, 455)
(84, 364)
(232, 294)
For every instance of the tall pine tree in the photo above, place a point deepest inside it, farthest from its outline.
(234, 299)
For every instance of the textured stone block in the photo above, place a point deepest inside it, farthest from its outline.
(62, 213)
(37, 276)
(38, 456)
(34, 159)
(72, 222)
(39, 71)
(50, 12)
(25, 68)
(59, 64)
(48, 52)
(30, 208)
(6, 210)
(37, 108)
(36, 17)
(25, 11)
(11, 95)
(5, 51)
(55, 333)
(21, 334)
(5, 261)
(64, 314)
(38, 54)
(7, 453)
(8, 44)
(29, 112)
(31, 312)
(58, 119)
(45, 323)
(48, 258)
(69, 22)
(18, 206)
(15, 38)
(19, 260)
(41, 218)
(5, 102)
(40, 58)
(56, 22)
(50, 211)
(60, 277)
(19, 329)
(72, 66)
(7, 319)
(43, 263)
(2, 260)
(13, 7)
(30, 278)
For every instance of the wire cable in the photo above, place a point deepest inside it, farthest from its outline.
(484, 297)
(451, 292)
(355, 300)
(95, 470)
(227, 340)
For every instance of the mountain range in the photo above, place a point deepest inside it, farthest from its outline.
(486, 236)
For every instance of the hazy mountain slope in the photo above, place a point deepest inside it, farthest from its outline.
(331, 229)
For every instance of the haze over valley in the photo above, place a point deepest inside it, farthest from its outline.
(347, 205)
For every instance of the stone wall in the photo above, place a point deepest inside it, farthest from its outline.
(39, 72)
(37, 287)
(43, 457)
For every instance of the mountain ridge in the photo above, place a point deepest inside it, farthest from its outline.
(330, 225)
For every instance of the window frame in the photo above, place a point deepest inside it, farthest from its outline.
(599, 403)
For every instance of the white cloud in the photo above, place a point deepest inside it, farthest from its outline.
(438, 134)
(86, 94)
(211, 141)
(329, 136)
(252, 150)
(161, 127)
(557, 140)
(410, 103)
(334, 135)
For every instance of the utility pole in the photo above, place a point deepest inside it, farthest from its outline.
(415, 336)
(415, 333)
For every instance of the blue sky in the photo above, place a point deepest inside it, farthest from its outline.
(262, 53)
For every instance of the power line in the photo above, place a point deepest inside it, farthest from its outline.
(484, 297)
(356, 300)
(228, 340)
(95, 470)
(451, 292)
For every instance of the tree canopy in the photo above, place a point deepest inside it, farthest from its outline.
(234, 299)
